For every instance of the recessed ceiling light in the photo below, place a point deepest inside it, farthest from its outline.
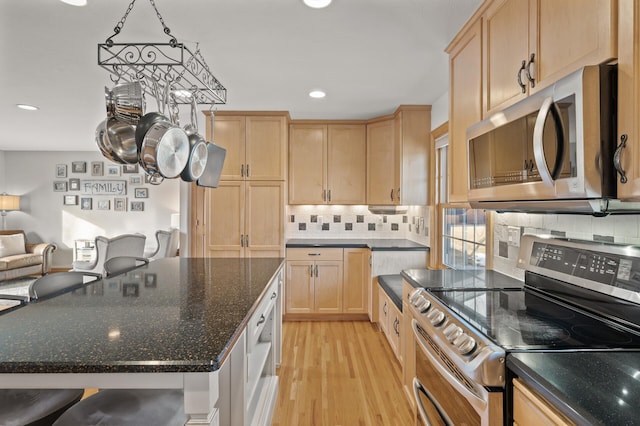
(75, 2)
(27, 107)
(317, 94)
(317, 4)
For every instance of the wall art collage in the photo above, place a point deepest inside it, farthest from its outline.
(101, 187)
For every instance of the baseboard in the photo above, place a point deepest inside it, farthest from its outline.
(325, 317)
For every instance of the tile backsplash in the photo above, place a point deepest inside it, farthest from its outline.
(621, 229)
(318, 221)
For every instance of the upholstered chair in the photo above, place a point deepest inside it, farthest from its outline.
(106, 248)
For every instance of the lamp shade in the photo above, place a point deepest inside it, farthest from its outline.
(9, 202)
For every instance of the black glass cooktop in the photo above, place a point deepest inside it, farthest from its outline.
(526, 320)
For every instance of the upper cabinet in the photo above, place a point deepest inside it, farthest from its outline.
(398, 157)
(528, 45)
(327, 163)
(629, 99)
(255, 143)
(465, 106)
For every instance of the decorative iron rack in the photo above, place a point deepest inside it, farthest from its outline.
(171, 63)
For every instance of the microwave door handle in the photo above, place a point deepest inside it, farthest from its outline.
(417, 388)
(473, 399)
(548, 106)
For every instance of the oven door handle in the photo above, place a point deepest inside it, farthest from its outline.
(417, 388)
(474, 400)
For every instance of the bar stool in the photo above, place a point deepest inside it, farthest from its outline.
(127, 407)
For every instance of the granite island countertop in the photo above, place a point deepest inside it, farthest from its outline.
(172, 315)
(372, 244)
(588, 387)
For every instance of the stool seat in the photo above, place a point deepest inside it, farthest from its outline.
(122, 407)
(35, 407)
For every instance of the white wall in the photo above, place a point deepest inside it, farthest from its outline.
(43, 216)
(2, 172)
(440, 111)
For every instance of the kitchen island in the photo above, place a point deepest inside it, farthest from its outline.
(174, 323)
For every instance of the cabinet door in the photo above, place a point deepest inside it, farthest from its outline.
(356, 279)
(586, 28)
(506, 45)
(224, 208)
(381, 163)
(299, 285)
(394, 329)
(465, 63)
(229, 132)
(327, 292)
(383, 310)
(412, 149)
(264, 219)
(265, 148)
(346, 164)
(629, 97)
(307, 167)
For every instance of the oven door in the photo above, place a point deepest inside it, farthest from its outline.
(441, 394)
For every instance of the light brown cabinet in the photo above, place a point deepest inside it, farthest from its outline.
(465, 107)
(255, 144)
(314, 282)
(327, 163)
(530, 409)
(390, 321)
(357, 272)
(522, 52)
(244, 219)
(398, 157)
(629, 98)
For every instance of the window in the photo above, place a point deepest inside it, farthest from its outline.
(463, 238)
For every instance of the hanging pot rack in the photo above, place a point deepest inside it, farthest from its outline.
(171, 63)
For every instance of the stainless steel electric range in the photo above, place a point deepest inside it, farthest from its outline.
(577, 296)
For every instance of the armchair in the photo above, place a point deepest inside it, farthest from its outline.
(167, 244)
(107, 248)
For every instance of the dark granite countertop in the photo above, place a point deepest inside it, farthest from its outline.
(373, 244)
(588, 387)
(449, 278)
(172, 315)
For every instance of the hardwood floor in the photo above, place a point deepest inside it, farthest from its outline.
(339, 373)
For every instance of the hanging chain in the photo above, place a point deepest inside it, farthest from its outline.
(173, 42)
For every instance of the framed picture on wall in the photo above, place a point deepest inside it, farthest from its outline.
(86, 203)
(97, 168)
(74, 184)
(137, 206)
(79, 167)
(129, 168)
(61, 170)
(141, 193)
(104, 204)
(70, 200)
(59, 186)
(120, 204)
(113, 170)
(135, 180)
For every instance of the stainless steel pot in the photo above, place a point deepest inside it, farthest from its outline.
(165, 150)
(122, 138)
(198, 152)
(104, 144)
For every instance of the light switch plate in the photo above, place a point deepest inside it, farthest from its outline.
(513, 236)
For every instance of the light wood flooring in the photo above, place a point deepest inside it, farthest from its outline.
(339, 373)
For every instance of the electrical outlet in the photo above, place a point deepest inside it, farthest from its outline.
(513, 236)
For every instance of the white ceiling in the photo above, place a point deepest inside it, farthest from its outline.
(368, 55)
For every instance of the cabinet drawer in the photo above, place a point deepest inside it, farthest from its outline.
(313, 253)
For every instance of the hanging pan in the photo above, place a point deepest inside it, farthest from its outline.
(198, 152)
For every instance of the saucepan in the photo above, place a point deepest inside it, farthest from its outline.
(104, 144)
(164, 149)
(198, 152)
(125, 102)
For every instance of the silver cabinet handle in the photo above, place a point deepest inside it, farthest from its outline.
(523, 87)
(246, 240)
(241, 240)
(617, 157)
(311, 270)
(329, 196)
(391, 194)
(324, 195)
(398, 194)
(261, 320)
(384, 307)
(532, 80)
(248, 174)
(316, 270)
(242, 170)
(274, 295)
(313, 254)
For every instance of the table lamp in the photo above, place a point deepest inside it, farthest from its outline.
(8, 203)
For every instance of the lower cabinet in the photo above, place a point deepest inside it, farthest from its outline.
(390, 321)
(248, 381)
(530, 409)
(326, 281)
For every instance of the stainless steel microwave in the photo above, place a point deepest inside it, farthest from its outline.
(551, 152)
